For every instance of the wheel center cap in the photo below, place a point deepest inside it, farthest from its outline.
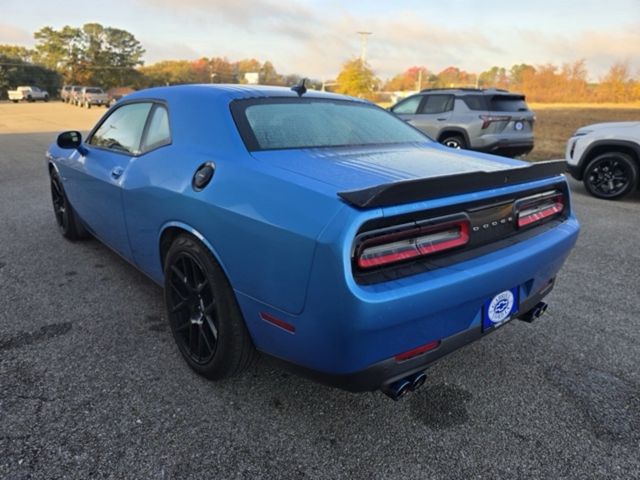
(197, 317)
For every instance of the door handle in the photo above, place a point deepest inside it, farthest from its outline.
(117, 172)
(441, 119)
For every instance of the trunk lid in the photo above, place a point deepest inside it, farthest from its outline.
(351, 168)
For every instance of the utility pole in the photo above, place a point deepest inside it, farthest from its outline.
(364, 37)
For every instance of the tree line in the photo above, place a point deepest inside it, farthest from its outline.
(544, 83)
(110, 57)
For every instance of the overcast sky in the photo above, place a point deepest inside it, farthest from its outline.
(313, 38)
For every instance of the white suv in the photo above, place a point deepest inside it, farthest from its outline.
(606, 157)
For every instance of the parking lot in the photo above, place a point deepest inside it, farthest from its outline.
(93, 386)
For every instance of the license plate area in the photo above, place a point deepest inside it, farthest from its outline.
(499, 309)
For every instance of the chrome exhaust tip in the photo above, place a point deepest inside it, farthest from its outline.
(397, 389)
(535, 313)
(417, 380)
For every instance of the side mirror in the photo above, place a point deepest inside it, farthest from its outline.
(70, 140)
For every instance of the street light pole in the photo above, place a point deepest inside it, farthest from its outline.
(364, 37)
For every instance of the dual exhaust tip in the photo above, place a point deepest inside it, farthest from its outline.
(400, 388)
(535, 313)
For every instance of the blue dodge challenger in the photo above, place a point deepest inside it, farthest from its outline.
(316, 228)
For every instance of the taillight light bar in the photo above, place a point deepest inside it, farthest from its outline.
(538, 208)
(410, 243)
(489, 119)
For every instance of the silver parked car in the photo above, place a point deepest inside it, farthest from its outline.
(92, 96)
(487, 120)
(74, 94)
(606, 157)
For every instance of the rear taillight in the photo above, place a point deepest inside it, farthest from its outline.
(538, 208)
(489, 119)
(413, 242)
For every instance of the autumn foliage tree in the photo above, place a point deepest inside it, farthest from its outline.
(453, 76)
(494, 77)
(357, 79)
(617, 85)
(414, 78)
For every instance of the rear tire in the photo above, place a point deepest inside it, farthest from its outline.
(203, 312)
(611, 176)
(453, 141)
(68, 222)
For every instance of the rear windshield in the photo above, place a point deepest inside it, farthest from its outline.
(93, 90)
(281, 123)
(504, 103)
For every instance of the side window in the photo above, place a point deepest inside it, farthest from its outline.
(122, 130)
(158, 133)
(408, 106)
(475, 102)
(437, 104)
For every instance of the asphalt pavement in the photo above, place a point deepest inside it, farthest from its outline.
(93, 386)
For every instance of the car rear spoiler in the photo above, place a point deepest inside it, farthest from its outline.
(407, 191)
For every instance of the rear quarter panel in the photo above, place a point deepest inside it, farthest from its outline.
(260, 222)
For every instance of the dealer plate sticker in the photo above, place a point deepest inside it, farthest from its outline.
(518, 126)
(500, 309)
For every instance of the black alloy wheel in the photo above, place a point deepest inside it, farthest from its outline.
(611, 175)
(60, 206)
(68, 223)
(203, 312)
(454, 141)
(192, 309)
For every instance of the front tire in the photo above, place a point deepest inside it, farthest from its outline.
(203, 313)
(611, 175)
(68, 222)
(453, 141)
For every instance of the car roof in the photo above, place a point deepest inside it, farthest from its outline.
(469, 91)
(233, 92)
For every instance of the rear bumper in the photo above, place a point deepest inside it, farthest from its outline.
(508, 148)
(383, 373)
(348, 334)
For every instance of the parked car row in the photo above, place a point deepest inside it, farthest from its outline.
(28, 94)
(82, 96)
(605, 156)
